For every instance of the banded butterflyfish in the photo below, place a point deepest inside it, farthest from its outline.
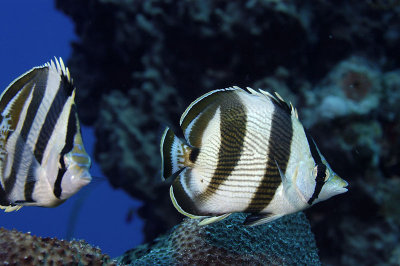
(42, 158)
(244, 151)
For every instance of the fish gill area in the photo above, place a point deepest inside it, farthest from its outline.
(139, 63)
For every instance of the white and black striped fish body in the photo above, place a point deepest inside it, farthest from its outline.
(42, 158)
(244, 151)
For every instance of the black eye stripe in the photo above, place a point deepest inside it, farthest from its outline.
(321, 173)
(321, 169)
(57, 184)
(314, 150)
(319, 182)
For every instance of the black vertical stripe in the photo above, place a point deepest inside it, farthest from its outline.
(23, 87)
(279, 148)
(233, 121)
(37, 97)
(46, 131)
(3, 197)
(321, 170)
(66, 85)
(20, 84)
(194, 153)
(319, 182)
(167, 144)
(51, 118)
(30, 183)
(203, 111)
(72, 130)
(184, 201)
(313, 150)
(18, 104)
(196, 133)
(57, 184)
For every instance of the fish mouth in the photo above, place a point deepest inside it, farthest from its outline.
(340, 183)
(85, 176)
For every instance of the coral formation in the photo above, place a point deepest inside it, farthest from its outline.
(287, 241)
(18, 248)
(352, 87)
(354, 107)
(144, 61)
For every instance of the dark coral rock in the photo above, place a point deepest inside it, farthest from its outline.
(360, 138)
(18, 248)
(192, 46)
(287, 241)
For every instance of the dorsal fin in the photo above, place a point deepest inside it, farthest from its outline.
(200, 112)
(278, 100)
(59, 67)
(22, 84)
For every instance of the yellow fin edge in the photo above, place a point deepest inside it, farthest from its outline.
(214, 219)
(10, 208)
(176, 205)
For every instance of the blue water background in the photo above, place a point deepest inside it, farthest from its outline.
(32, 33)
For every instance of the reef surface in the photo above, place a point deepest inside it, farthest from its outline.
(286, 241)
(17, 248)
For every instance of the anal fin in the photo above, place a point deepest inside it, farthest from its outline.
(10, 208)
(184, 196)
(260, 218)
(179, 197)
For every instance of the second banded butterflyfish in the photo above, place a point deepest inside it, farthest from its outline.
(244, 151)
(42, 158)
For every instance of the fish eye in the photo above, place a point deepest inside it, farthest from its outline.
(327, 174)
(315, 171)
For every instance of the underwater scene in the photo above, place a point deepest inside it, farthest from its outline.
(200, 132)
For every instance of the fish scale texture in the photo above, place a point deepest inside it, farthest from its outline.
(286, 241)
(17, 248)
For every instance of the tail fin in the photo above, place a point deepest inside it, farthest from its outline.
(175, 154)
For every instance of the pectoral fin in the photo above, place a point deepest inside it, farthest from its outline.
(285, 181)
